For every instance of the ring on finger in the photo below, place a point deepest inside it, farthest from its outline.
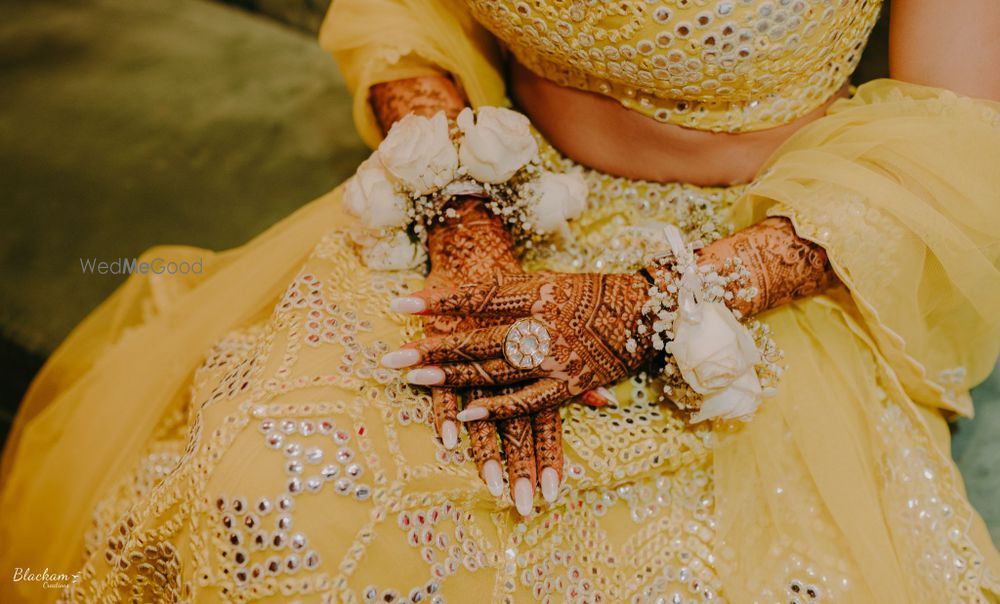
(526, 343)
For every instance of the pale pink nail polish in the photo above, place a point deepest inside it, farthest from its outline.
(550, 484)
(408, 305)
(493, 477)
(523, 496)
(401, 358)
(473, 414)
(426, 376)
(449, 434)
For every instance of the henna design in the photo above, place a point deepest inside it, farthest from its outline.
(444, 406)
(476, 246)
(424, 96)
(504, 295)
(547, 427)
(590, 318)
(519, 448)
(486, 343)
(491, 372)
(451, 252)
(542, 394)
(485, 444)
(783, 266)
(516, 438)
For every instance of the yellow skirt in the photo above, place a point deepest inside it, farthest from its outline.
(230, 436)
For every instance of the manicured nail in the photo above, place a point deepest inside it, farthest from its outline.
(401, 358)
(550, 484)
(449, 434)
(426, 376)
(408, 305)
(472, 414)
(607, 394)
(523, 496)
(493, 478)
(592, 399)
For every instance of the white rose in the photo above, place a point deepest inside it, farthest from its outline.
(371, 196)
(557, 198)
(395, 252)
(497, 142)
(712, 349)
(738, 401)
(419, 154)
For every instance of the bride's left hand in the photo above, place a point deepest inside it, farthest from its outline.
(590, 319)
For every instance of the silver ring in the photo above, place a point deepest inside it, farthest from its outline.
(526, 343)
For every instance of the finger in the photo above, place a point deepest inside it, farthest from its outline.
(444, 404)
(474, 345)
(485, 445)
(547, 428)
(536, 396)
(511, 296)
(491, 372)
(519, 446)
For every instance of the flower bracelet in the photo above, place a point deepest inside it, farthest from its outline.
(423, 163)
(714, 366)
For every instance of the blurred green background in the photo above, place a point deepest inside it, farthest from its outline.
(130, 123)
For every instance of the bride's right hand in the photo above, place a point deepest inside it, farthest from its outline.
(475, 245)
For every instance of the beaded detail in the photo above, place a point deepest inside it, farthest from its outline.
(298, 469)
(720, 65)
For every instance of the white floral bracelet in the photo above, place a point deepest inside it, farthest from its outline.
(714, 365)
(423, 163)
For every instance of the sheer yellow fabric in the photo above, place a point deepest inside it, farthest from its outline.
(899, 184)
(96, 404)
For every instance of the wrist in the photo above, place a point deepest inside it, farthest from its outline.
(472, 239)
(461, 213)
(425, 95)
(648, 281)
(404, 194)
(742, 295)
(714, 364)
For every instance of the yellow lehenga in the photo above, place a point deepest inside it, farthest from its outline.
(230, 435)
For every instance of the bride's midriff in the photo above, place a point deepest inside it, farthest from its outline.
(598, 132)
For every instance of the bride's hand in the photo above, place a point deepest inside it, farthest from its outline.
(475, 246)
(589, 320)
(532, 446)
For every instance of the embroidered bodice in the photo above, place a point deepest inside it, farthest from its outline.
(721, 65)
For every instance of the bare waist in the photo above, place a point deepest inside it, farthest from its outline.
(598, 132)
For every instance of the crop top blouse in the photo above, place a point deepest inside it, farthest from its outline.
(721, 65)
